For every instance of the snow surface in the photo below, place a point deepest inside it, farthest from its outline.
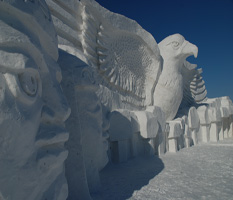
(202, 172)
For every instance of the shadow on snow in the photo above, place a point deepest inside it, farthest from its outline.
(120, 181)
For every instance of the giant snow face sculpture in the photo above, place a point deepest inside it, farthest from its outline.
(32, 106)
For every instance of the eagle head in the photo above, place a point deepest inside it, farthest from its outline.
(176, 49)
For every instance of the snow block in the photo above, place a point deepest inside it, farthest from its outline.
(148, 124)
(120, 125)
(176, 129)
(194, 123)
(204, 122)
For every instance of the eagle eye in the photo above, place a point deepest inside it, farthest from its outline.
(175, 44)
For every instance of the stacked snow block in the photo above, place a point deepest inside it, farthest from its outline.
(204, 122)
(187, 133)
(215, 123)
(120, 135)
(193, 124)
(136, 133)
(143, 133)
(175, 134)
(227, 106)
(220, 112)
(210, 121)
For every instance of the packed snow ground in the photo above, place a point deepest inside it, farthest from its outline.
(201, 172)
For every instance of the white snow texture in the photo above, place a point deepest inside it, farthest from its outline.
(82, 87)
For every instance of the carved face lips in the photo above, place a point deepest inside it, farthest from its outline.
(50, 140)
(52, 133)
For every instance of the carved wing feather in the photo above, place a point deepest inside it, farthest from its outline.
(124, 56)
(194, 85)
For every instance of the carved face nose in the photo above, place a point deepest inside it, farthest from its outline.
(56, 108)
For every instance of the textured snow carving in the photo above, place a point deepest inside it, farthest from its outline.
(209, 121)
(194, 85)
(126, 58)
(168, 92)
(32, 106)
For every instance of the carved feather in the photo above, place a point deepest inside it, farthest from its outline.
(194, 85)
(125, 57)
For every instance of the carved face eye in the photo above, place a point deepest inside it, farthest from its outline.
(29, 83)
(175, 44)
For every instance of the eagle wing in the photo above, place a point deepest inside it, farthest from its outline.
(194, 85)
(125, 58)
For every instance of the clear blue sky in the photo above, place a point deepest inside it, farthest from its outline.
(205, 23)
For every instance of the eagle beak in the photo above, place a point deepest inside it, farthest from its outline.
(190, 49)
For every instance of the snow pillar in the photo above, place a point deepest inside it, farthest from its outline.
(194, 124)
(175, 132)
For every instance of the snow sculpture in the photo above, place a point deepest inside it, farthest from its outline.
(126, 59)
(169, 90)
(87, 125)
(126, 63)
(224, 109)
(32, 106)
(226, 104)
(75, 164)
(215, 126)
(160, 141)
(134, 133)
(216, 116)
(194, 124)
(204, 122)
(187, 132)
(120, 136)
(176, 129)
(210, 121)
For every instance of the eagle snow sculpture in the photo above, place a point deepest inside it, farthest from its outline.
(168, 92)
(133, 71)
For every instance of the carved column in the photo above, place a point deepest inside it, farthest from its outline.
(224, 130)
(204, 122)
(194, 124)
(215, 123)
(176, 130)
(187, 132)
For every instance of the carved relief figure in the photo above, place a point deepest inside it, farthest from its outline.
(127, 61)
(32, 106)
(127, 64)
(87, 143)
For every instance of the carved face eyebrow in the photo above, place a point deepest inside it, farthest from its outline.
(14, 62)
(6, 69)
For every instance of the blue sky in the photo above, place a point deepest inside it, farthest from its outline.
(205, 23)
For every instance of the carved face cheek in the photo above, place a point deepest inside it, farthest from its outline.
(20, 111)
